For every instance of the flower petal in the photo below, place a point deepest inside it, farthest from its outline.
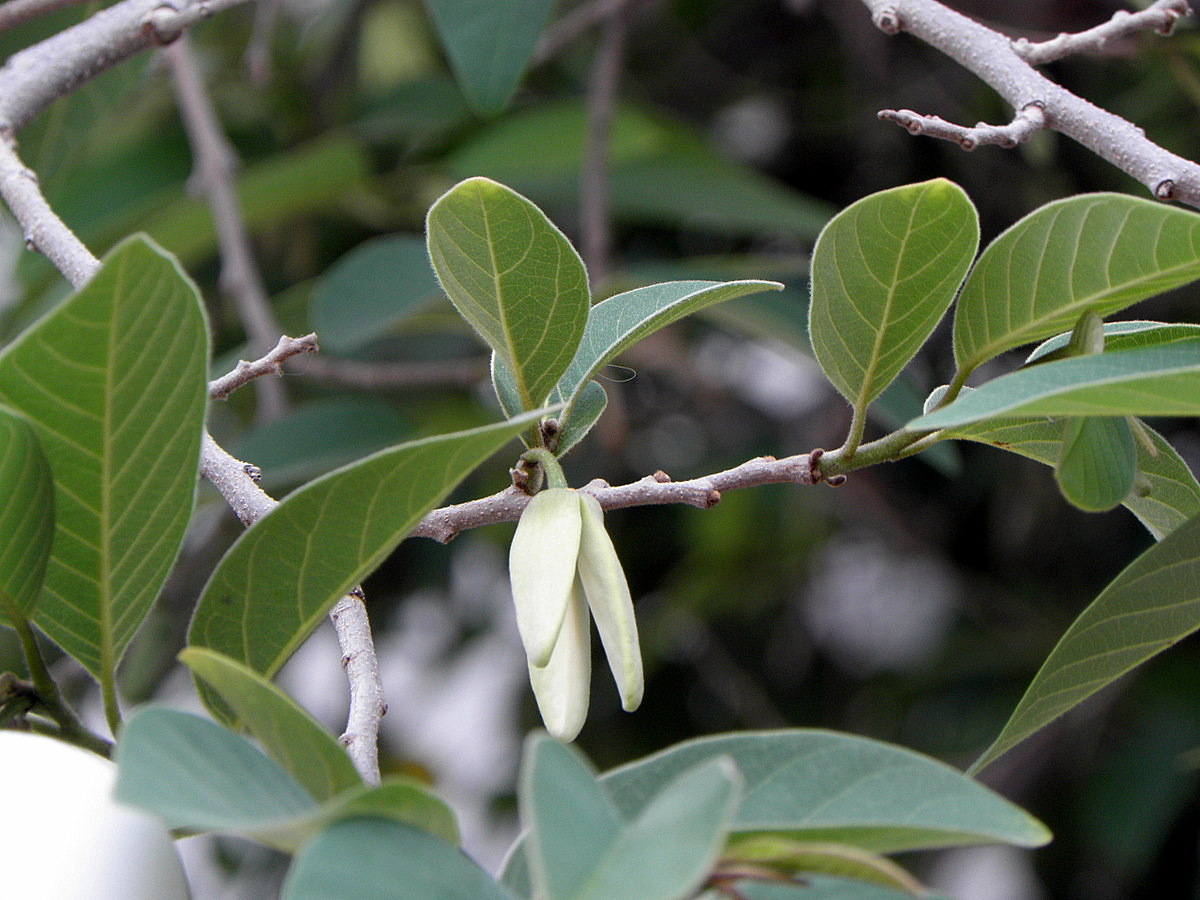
(562, 685)
(608, 596)
(541, 568)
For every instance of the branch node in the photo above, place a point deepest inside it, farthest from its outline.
(887, 19)
(835, 480)
(661, 477)
(712, 498)
(253, 471)
(162, 26)
(1165, 189)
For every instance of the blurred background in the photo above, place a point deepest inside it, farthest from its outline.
(913, 604)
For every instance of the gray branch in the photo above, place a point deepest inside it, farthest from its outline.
(1160, 16)
(1020, 129)
(994, 58)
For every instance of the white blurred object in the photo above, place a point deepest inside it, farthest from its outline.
(63, 837)
(985, 873)
(874, 608)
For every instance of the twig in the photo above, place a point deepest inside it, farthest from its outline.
(271, 364)
(444, 524)
(14, 12)
(215, 164)
(595, 207)
(38, 75)
(993, 57)
(258, 48)
(1020, 129)
(583, 17)
(237, 483)
(1160, 16)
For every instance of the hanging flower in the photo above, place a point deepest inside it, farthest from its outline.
(562, 565)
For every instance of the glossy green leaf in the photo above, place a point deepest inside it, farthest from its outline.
(26, 517)
(113, 381)
(288, 734)
(1098, 461)
(660, 172)
(1101, 252)
(194, 774)
(373, 859)
(514, 276)
(581, 847)
(825, 786)
(489, 43)
(800, 858)
(1153, 604)
(1169, 496)
(1156, 381)
(1120, 336)
(283, 574)
(365, 293)
(884, 271)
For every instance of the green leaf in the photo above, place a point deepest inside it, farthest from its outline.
(825, 786)
(581, 847)
(290, 736)
(113, 381)
(196, 775)
(821, 887)
(1120, 336)
(798, 858)
(1156, 381)
(283, 574)
(489, 43)
(884, 271)
(1098, 462)
(1151, 605)
(26, 517)
(1171, 495)
(373, 859)
(514, 276)
(1101, 252)
(366, 292)
(400, 799)
(590, 403)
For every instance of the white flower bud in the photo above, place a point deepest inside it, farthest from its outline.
(607, 594)
(541, 568)
(563, 684)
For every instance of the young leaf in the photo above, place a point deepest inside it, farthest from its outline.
(581, 848)
(884, 271)
(825, 786)
(290, 736)
(1153, 604)
(798, 858)
(26, 517)
(514, 276)
(374, 286)
(1098, 462)
(1101, 252)
(1121, 336)
(373, 859)
(400, 799)
(489, 43)
(624, 319)
(280, 577)
(1156, 381)
(1171, 494)
(113, 382)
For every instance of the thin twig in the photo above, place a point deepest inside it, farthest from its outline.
(271, 364)
(1160, 16)
(445, 524)
(1028, 121)
(215, 165)
(575, 23)
(14, 12)
(594, 202)
(994, 58)
(35, 77)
